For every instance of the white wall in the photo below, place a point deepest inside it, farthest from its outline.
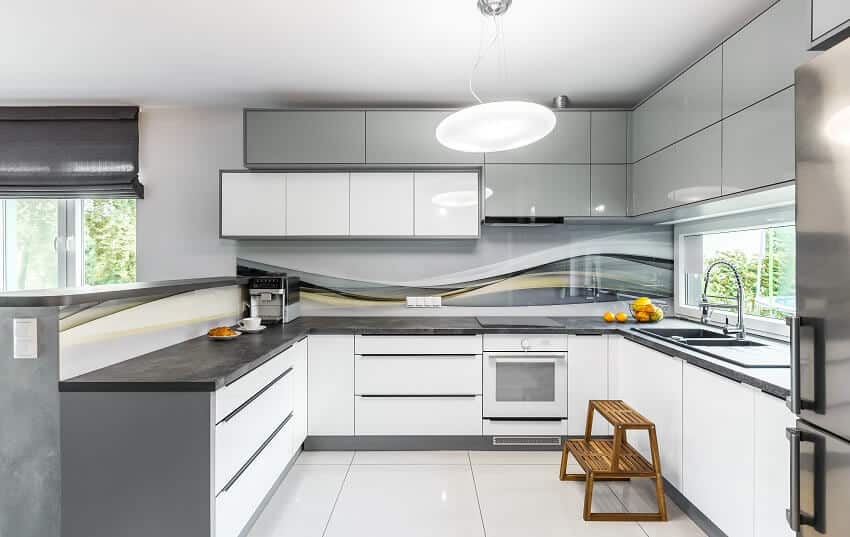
(180, 153)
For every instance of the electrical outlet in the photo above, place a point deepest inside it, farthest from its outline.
(25, 335)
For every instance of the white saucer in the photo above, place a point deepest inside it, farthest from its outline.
(257, 331)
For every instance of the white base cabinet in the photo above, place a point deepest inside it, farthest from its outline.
(441, 416)
(330, 386)
(651, 382)
(772, 466)
(718, 449)
(587, 378)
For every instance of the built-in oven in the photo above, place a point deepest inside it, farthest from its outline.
(525, 377)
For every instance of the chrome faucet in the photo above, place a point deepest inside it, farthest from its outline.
(739, 331)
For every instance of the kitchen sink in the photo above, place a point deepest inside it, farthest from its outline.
(683, 333)
(726, 342)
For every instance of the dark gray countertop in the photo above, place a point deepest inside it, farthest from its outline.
(201, 364)
(102, 293)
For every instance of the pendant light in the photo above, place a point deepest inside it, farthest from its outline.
(499, 125)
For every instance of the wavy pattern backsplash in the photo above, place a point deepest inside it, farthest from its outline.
(506, 267)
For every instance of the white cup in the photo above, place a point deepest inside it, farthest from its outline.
(250, 323)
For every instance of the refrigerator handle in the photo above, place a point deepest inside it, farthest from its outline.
(795, 401)
(794, 515)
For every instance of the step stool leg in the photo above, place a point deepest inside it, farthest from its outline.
(588, 497)
(588, 425)
(565, 455)
(659, 481)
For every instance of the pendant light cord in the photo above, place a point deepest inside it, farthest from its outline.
(482, 52)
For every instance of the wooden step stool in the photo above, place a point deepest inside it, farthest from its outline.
(614, 459)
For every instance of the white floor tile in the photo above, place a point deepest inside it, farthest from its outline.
(302, 504)
(325, 457)
(411, 457)
(516, 457)
(639, 496)
(409, 501)
(531, 500)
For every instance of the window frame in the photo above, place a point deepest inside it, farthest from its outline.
(775, 217)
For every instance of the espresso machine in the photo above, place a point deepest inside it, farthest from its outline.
(275, 298)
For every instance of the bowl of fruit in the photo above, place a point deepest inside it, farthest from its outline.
(644, 311)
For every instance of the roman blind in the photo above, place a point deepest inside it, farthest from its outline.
(70, 152)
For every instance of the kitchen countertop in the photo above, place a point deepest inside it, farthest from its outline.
(201, 364)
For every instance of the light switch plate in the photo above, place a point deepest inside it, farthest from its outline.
(25, 336)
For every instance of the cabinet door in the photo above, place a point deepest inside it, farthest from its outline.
(686, 172)
(772, 466)
(317, 204)
(409, 137)
(651, 127)
(274, 137)
(381, 204)
(330, 385)
(758, 144)
(609, 189)
(299, 393)
(608, 137)
(568, 143)
(718, 449)
(525, 190)
(651, 382)
(829, 18)
(253, 204)
(587, 378)
(446, 204)
(760, 59)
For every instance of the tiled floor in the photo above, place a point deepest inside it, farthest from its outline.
(450, 493)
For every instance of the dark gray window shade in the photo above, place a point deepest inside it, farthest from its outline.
(70, 152)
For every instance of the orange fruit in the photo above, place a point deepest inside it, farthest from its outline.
(641, 316)
(621, 317)
(608, 317)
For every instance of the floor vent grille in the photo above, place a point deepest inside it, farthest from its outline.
(526, 440)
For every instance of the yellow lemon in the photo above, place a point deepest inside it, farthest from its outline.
(642, 301)
(621, 317)
(608, 317)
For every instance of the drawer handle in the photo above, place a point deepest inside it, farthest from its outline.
(443, 355)
(251, 399)
(256, 454)
(419, 396)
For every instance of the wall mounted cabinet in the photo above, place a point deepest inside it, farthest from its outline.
(608, 189)
(686, 172)
(687, 104)
(408, 137)
(609, 137)
(253, 204)
(758, 144)
(830, 22)
(568, 143)
(279, 138)
(537, 190)
(446, 204)
(317, 204)
(381, 204)
(761, 58)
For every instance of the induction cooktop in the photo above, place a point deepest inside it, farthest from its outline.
(518, 322)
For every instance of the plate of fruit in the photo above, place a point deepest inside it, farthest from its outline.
(644, 311)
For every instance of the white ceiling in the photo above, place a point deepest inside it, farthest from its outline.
(321, 52)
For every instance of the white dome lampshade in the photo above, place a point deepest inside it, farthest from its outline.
(495, 126)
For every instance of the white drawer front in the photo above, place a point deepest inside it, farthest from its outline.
(417, 375)
(241, 434)
(519, 342)
(417, 415)
(233, 395)
(525, 428)
(235, 506)
(417, 344)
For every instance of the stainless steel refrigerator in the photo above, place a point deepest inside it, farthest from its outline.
(820, 334)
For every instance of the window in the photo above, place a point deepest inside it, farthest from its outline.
(66, 243)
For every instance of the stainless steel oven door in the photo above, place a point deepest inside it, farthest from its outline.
(525, 385)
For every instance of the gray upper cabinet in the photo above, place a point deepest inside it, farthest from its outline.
(687, 104)
(686, 172)
(760, 59)
(758, 144)
(408, 137)
(830, 22)
(537, 190)
(608, 189)
(568, 143)
(304, 137)
(608, 140)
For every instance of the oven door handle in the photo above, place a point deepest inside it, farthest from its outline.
(529, 359)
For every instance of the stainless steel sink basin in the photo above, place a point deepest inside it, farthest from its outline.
(727, 342)
(683, 333)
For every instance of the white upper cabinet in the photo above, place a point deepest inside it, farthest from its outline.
(830, 20)
(317, 204)
(446, 204)
(568, 143)
(381, 204)
(760, 59)
(687, 104)
(253, 204)
(718, 449)
(758, 144)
